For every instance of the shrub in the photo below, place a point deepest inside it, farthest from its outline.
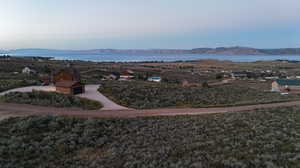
(145, 95)
(51, 99)
(6, 84)
(259, 138)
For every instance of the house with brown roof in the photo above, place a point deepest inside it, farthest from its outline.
(68, 81)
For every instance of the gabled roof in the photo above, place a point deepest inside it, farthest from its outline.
(289, 82)
(73, 72)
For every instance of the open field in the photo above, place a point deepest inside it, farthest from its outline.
(259, 138)
(145, 95)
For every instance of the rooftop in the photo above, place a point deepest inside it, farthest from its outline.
(289, 82)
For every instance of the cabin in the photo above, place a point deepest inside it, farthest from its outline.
(69, 87)
(68, 81)
(286, 86)
(67, 74)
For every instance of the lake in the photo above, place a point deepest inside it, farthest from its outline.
(152, 57)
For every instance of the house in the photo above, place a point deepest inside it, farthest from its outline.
(28, 70)
(114, 76)
(111, 77)
(154, 79)
(68, 81)
(239, 75)
(69, 87)
(271, 77)
(286, 85)
(127, 75)
(67, 74)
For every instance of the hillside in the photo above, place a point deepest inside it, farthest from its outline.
(228, 50)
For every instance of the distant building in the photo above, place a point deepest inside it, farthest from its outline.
(28, 70)
(239, 75)
(154, 79)
(286, 85)
(112, 77)
(68, 81)
(5, 57)
(271, 77)
(127, 75)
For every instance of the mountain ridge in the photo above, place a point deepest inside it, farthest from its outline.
(237, 50)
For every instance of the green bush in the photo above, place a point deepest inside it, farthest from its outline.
(259, 139)
(6, 84)
(147, 95)
(50, 99)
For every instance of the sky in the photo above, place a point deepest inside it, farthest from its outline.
(145, 24)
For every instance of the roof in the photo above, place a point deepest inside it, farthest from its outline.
(289, 82)
(71, 71)
(66, 83)
(155, 77)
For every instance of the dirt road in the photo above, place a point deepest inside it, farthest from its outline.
(7, 110)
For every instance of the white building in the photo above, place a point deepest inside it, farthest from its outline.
(154, 79)
(27, 70)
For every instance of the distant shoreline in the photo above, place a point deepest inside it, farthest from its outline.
(215, 51)
(140, 58)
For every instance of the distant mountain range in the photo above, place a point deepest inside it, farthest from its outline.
(220, 50)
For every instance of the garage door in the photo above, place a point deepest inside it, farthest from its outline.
(77, 90)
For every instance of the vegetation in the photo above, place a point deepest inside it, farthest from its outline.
(6, 84)
(50, 99)
(258, 139)
(145, 95)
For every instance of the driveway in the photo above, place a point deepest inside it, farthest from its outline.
(91, 92)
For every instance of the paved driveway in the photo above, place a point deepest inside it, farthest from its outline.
(91, 92)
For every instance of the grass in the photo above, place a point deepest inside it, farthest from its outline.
(145, 95)
(260, 138)
(51, 99)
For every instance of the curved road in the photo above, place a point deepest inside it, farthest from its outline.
(111, 109)
(91, 92)
(8, 110)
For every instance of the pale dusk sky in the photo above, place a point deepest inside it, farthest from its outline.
(88, 24)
